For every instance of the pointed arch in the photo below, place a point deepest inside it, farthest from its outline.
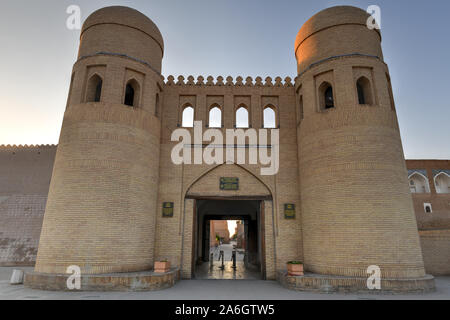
(418, 183)
(242, 117)
(210, 170)
(132, 93)
(94, 88)
(187, 116)
(270, 117)
(442, 182)
(215, 116)
(326, 96)
(364, 91)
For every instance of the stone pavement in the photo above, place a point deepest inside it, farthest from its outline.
(208, 290)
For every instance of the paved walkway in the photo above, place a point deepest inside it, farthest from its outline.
(207, 290)
(205, 272)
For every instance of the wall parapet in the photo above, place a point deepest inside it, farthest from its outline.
(229, 81)
(26, 146)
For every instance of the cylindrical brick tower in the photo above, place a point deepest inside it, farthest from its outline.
(356, 207)
(101, 207)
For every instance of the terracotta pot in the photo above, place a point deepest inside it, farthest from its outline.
(162, 267)
(295, 270)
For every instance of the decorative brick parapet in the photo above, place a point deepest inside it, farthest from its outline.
(31, 146)
(229, 81)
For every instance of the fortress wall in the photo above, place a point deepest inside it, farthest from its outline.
(434, 227)
(25, 174)
(436, 251)
(440, 202)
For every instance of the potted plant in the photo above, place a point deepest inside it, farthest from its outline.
(295, 268)
(162, 266)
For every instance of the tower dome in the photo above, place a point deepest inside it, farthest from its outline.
(124, 31)
(336, 31)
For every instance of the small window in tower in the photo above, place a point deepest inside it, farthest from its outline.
(157, 106)
(326, 96)
(94, 90)
(129, 95)
(132, 93)
(364, 91)
(329, 100)
(428, 208)
(301, 111)
(361, 97)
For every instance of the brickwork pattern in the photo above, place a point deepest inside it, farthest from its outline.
(356, 206)
(25, 173)
(436, 251)
(344, 169)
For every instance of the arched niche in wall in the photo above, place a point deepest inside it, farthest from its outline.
(132, 93)
(442, 182)
(94, 88)
(418, 183)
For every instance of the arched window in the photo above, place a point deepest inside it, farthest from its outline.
(242, 118)
(215, 118)
(301, 111)
(418, 183)
(132, 92)
(270, 120)
(442, 183)
(364, 91)
(188, 117)
(326, 96)
(94, 90)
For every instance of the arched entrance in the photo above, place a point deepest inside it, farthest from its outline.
(208, 203)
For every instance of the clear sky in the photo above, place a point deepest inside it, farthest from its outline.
(244, 37)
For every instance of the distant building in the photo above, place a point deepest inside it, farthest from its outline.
(219, 228)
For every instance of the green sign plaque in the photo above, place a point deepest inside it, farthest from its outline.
(229, 184)
(168, 209)
(289, 211)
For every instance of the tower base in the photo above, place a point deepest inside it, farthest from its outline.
(136, 281)
(339, 284)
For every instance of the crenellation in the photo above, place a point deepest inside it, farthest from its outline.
(229, 81)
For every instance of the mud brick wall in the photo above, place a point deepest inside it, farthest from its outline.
(25, 174)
